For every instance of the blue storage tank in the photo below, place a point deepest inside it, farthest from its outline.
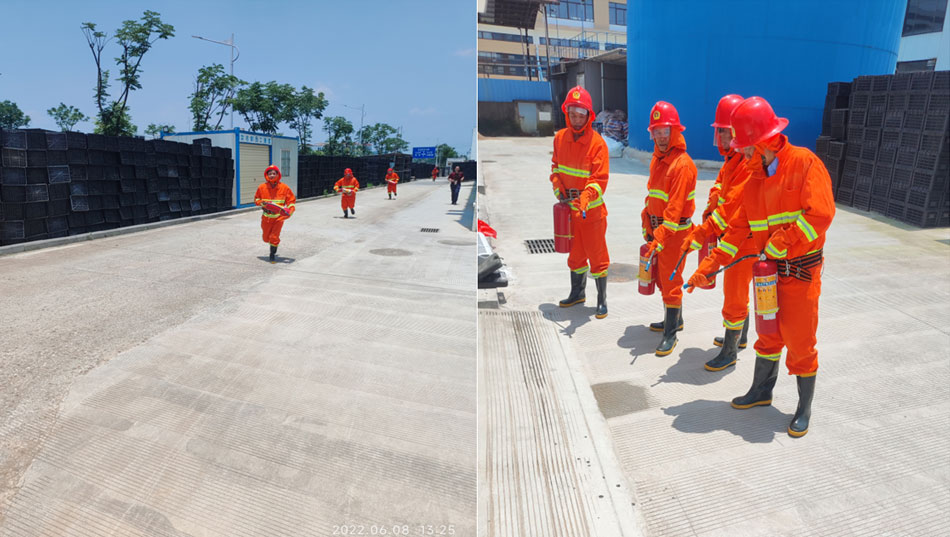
(692, 52)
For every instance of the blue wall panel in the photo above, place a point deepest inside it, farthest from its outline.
(505, 91)
(692, 52)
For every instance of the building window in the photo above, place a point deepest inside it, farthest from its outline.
(618, 14)
(924, 16)
(573, 43)
(917, 65)
(285, 161)
(498, 36)
(576, 10)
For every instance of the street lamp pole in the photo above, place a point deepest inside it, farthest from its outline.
(362, 110)
(230, 43)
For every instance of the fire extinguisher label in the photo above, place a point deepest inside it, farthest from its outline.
(766, 296)
(644, 276)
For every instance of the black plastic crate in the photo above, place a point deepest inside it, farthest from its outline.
(112, 216)
(941, 82)
(36, 158)
(929, 181)
(859, 100)
(934, 142)
(56, 141)
(881, 83)
(126, 172)
(58, 174)
(15, 139)
(59, 191)
(878, 204)
(59, 207)
(937, 122)
(861, 83)
(76, 156)
(821, 145)
(75, 140)
(839, 88)
(110, 173)
(36, 139)
(869, 149)
(921, 81)
(13, 158)
(893, 119)
(36, 176)
(849, 173)
(36, 193)
(917, 102)
(13, 176)
(938, 104)
(898, 100)
(853, 149)
(12, 229)
(839, 116)
(857, 118)
(923, 218)
(913, 121)
(881, 180)
(844, 196)
(861, 200)
(901, 82)
(875, 118)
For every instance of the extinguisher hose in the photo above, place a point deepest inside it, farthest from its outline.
(677, 267)
(710, 275)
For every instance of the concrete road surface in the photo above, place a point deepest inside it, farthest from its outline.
(173, 382)
(586, 432)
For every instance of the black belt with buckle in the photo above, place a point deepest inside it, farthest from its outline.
(799, 267)
(657, 221)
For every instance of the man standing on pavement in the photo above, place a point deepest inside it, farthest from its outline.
(787, 206)
(724, 199)
(580, 167)
(455, 182)
(392, 178)
(666, 217)
(278, 203)
(349, 186)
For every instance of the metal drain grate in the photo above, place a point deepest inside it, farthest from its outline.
(540, 246)
(429, 230)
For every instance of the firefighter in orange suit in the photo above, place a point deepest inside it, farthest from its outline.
(435, 173)
(787, 207)
(349, 186)
(579, 170)
(392, 178)
(724, 199)
(272, 191)
(666, 217)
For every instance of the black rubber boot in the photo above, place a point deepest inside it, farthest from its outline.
(727, 356)
(658, 327)
(345, 214)
(578, 281)
(806, 390)
(353, 211)
(601, 297)
(743, 341)
(273, 253)
(763, 380)
(390, 195)
(668, 343)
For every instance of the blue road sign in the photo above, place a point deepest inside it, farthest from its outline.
(423, 152)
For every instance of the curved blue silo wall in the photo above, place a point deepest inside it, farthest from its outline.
(692, 52)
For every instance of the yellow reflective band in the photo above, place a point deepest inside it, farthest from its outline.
(596, 203)
(718, 220)
(659, 248)
(720, 201)
(783, 218)
(759, 225)
(775, 252)
(733, 326)
(658, 194)
(566, 236)
(806, 228)
(728, 248)
(773, 357)
(670, 225)
(596, 186)
(693, 245)
(692, 195)
(572, 171)
(599, 274)
(581, 270)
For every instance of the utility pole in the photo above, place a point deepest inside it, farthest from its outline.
(362, 110)
(230, 43)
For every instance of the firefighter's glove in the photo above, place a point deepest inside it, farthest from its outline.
(777, 247)
(584, 200)
(699, 279)
(691, 241)
(655, 248)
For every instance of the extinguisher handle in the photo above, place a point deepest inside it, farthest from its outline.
(678, 264)
(710, 275)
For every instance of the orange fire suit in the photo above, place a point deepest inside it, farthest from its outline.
(788, 215)
(724, 201)
(349, 186)
(391, 180)
(435, 173)
(670, 203)
(579, 172)
(279, 194)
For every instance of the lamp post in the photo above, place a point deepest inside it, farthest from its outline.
(362, 110)
(230, 43)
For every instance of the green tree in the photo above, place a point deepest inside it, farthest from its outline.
(306, 107)
(11, 117)
(339, 136)
(443, 152)
(135, 39)
(384, 138)
(213, 95)
(66, 117)
(265, 106)
(154, 130)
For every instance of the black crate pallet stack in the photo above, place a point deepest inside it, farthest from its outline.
(316, 174)
(54, 184)
(894, 158)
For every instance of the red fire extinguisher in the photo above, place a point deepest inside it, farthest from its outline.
(765, 281)
(562, 228)
(647, 279)
(708, 246)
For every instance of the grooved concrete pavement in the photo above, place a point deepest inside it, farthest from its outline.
(172, 382)
(876, 460)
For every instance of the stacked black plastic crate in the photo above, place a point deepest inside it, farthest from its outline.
(830, 146)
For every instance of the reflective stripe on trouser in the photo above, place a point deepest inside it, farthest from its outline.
(667, 258)
(735, 290)
(271, 228)
(348, 202)
(797, 325)
(390, 187)
(589, 244)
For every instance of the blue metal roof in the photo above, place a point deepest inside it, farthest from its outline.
(504, 91)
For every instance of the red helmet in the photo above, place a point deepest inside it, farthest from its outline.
(347, 172)
(724, 111)
(665, 114)
(269, 168)
(578, 96)
(753, 121)
(390, 170)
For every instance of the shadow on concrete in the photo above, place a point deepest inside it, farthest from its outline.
(688, 367)
(757, 425)
(277, 260)
(467, 216)
(640, 340)
(569, 319)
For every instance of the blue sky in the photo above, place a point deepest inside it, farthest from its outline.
(412, 64)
